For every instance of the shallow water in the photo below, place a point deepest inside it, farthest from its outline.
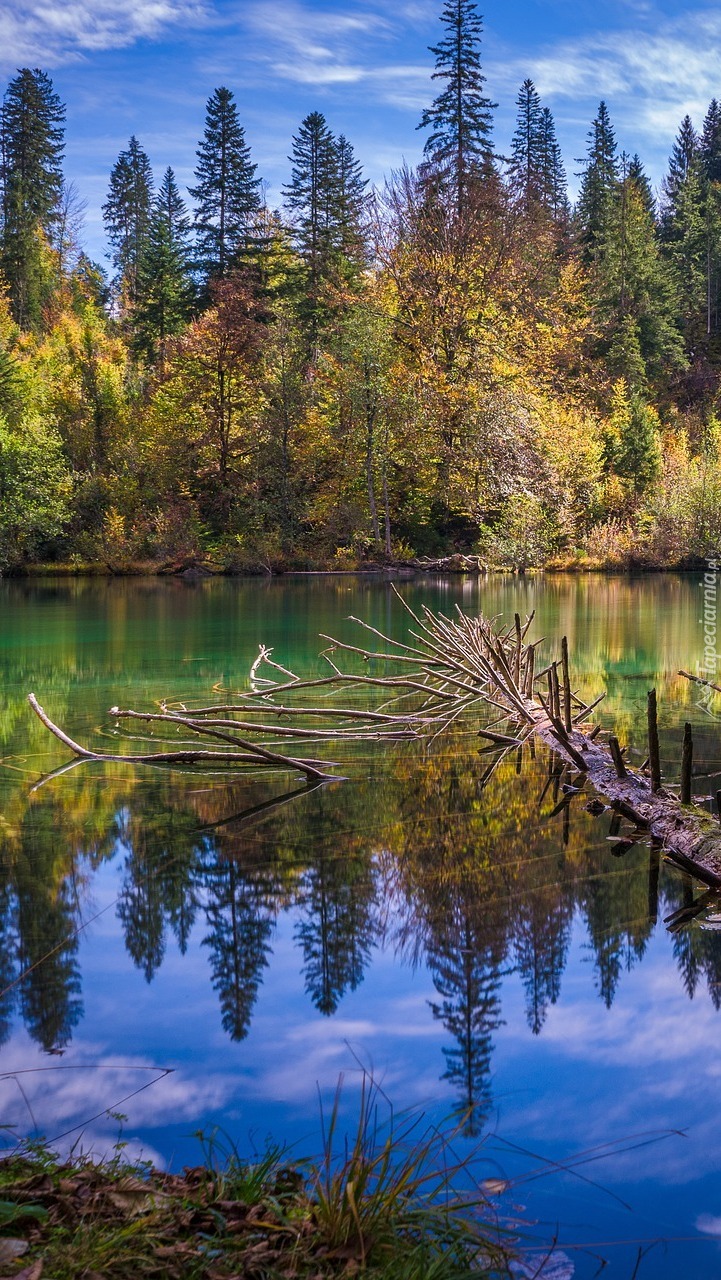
(484, 956)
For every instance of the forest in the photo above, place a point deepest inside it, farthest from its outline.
(458, 361)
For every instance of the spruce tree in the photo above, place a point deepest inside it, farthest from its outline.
(460, 146)
(710, 143)
(637, 174)
(165, 292)
(526, 170)
(599, 180)
(312, 199)
(226, 192)
(554, 186)
(31, 150)
(685, 229)
(684, 165)
(350, 201)
(126, 214)
(632, 289)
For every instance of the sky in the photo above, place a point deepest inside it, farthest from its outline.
(147, 67)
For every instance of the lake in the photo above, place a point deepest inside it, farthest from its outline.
(486, 951)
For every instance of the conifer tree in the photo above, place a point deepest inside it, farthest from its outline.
(637, 175)
(683, 166)
(312, 197)
(710, 143)
(349, 210)
(526, 167)
(126, 213)
(554, 187)
(685, 229)
(460, 119)
(31, 144)
(226, 193)
(599, 180)
(165, 292)
(633, 290)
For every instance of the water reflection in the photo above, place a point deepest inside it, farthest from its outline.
(473, 878)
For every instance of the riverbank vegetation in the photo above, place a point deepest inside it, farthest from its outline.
(388, 1208)
(459, 361)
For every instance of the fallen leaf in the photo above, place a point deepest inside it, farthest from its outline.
(10, 1249)
(33, 1272)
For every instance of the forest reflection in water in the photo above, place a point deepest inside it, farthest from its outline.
(419, 858)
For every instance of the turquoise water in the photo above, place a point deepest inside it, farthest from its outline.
(184, 949)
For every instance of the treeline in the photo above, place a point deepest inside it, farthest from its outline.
(459, 361)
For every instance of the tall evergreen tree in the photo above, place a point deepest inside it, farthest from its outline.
(527, 147)
(686, 229)
(554, 185)
(637, 174)
(226, 193)
(165, 293)
(632, 289)
(460, 118)
(312, 199)
(683, 165)
(126, 213)
(32, 144)
(710, 143)
(599, 180)
(350, 202)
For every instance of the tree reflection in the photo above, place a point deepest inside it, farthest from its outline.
(472, 876)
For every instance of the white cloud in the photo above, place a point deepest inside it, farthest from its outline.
(54, 33)
(660, 74)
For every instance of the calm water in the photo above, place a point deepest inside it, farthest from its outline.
(480, 951)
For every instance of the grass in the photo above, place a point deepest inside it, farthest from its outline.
(384, 1203)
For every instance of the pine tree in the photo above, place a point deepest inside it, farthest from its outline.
(350, 203)
(599, 180)
(683, 166)
(554, 186)
(527, 147)
(632, 289)
(126, 213)
(312, 198)
(637, 174)
(710, 143)
(226, 192)
(165, 293)
(31, 142)
(460, 118)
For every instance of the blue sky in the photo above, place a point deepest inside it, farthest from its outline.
(148, 66)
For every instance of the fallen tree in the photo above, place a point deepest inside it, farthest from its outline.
(448, 668)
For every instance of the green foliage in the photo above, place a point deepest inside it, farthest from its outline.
(165, 291)
(34, 489)
(323, 383)
(525, 535)
(226, 190)
(126, 214)
(31, 138)
(633, 446)
(461, 117)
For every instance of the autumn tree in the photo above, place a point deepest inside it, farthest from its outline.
(207, 414)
